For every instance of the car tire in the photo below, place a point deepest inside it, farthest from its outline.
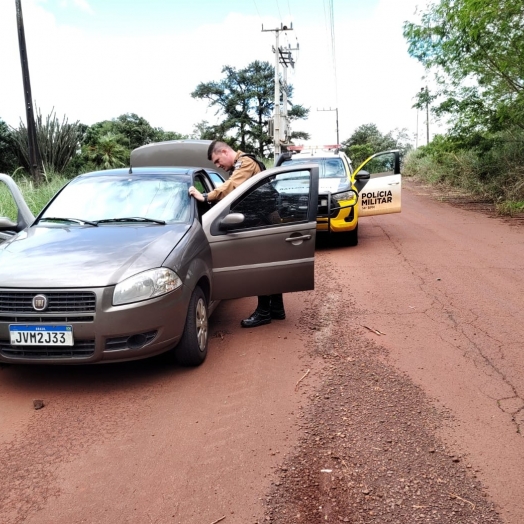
(192, 348)
(351, 237)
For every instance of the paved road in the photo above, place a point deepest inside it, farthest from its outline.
(150, 443)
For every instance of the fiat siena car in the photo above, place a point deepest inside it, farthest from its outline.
(344, 194)
(123, 264)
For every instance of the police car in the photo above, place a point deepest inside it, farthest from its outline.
(346, 194)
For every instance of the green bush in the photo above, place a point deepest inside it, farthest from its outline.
(491, 167)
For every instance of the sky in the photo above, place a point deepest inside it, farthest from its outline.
(93, 60)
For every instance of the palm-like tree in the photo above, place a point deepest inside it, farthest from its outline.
(107, 152)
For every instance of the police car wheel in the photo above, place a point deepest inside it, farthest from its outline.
(192, 348)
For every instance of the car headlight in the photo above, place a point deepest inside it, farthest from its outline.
(350, 196)
(149, 284)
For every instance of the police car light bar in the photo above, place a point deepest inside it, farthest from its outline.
(302, 148)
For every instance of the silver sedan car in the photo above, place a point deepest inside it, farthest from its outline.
(123, 264)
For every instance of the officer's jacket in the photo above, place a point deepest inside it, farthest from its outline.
(242, 169)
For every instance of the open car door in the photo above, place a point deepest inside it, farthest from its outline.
(379, 184)
(21, 214)
(262, 235)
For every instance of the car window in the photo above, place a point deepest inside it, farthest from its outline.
(109, 197)
(200, 185)
(279, 199)
(328, 167)
(383, 163)
(215, 178)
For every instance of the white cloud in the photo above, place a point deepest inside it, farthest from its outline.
(90, 77)
(83, 5)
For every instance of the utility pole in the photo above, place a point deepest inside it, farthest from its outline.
(35, 161)
(277, 124)
(427, 114)
(425, 97)
(416, 134)
(336, 112)
(286, 59)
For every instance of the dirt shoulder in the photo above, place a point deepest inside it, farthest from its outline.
(369, 451)
(419, 415)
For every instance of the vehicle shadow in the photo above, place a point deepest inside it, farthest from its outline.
(326, 241)
(93, 377)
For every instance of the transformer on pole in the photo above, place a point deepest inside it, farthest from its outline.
(280, 128)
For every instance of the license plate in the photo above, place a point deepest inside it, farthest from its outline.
(41, 335)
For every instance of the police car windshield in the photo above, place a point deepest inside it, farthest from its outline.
(328, 167)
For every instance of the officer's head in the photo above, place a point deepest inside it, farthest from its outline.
(222, 155)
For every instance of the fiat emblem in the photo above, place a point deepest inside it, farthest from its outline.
(39, 302)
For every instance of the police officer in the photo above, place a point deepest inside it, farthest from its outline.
(240, 168)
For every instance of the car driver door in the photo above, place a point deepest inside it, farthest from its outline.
(378, 181)
(262, 235)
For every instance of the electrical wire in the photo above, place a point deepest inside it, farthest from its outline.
(279, 13)
(328, 7)
(256, 7)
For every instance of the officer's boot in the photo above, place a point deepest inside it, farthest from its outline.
(277, 307)
(261, 315)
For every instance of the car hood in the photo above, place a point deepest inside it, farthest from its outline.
(84, 256)
(332, 185)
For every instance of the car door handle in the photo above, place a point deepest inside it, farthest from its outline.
(294, 239)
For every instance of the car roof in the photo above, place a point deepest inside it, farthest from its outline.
(175, 153)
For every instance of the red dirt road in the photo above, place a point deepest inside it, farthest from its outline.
(146, 442)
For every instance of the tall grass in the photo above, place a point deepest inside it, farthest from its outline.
(36, 197)
(493, 171)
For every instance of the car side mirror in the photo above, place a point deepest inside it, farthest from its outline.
(362, 175)
(5, 223)
(283, 157)
(231, 221)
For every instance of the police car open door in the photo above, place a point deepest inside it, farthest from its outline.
(378, 182)
(262, 235)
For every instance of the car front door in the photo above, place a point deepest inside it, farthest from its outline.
(378, 181)
(262, 235)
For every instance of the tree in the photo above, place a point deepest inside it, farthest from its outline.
(474, 48)
(106, 153)
(367, 140)
(58, 142)
(245, 100)
(205, 131)
(109, 143)
(161, 135)
(130, 130)
(8, 157)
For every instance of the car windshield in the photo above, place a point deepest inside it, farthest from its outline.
(328, 167)
(104, 198)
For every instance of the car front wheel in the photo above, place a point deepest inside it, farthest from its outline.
(192, 348)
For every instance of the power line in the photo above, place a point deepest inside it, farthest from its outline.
(256, 7)
(333, 47)
(278, 8)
